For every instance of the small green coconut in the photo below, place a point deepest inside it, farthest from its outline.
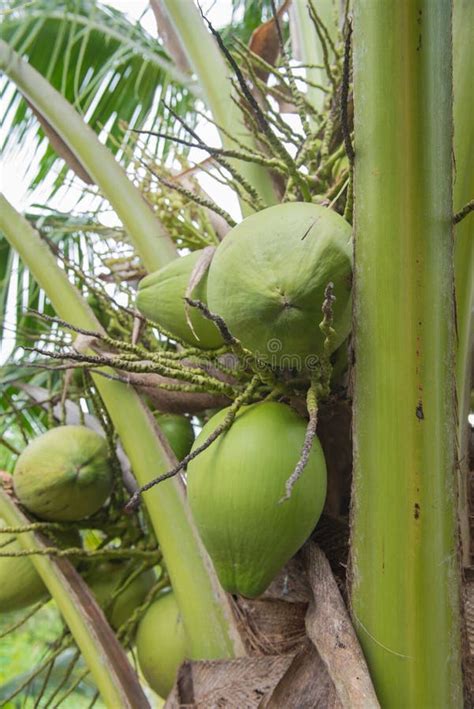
(64, 475)
(179, 431)
(235, 489)
(161, 644)
(107, 578)
(20, 584)
(161, 299)
(268, 277)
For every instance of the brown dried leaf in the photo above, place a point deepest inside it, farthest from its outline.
(265, 42)
(273, 627)
(329, 627)
(468, 644)
(233, 684)
(305, 685)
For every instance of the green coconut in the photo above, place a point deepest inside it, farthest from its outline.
(268, 277)
(160, 298)
(161, 644)
(20, 584)
(179, 432)
(64, 475)
(107, 578)
(235, 489)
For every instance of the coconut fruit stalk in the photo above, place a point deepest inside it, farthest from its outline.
(64, 475)
(236, 488)
(268, 277)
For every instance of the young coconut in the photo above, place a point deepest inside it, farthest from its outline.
(268, 276)
(20, 584)
(179, 431)
(161, 299)
(236, 489)
(64, 475)
(161, 644)
(106, 579)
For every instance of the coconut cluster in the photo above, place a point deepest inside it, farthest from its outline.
(266, 281)
(263, 294)
(266, 284)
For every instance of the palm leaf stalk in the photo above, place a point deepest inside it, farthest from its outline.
(148, 236)
(106, 660)
(205, 611)
(213, 76)
(463, 22)
(405, 584)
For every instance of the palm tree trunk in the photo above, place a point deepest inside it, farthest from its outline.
(463, 24)
(404, 556)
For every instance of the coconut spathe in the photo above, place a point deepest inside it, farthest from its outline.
(64, 475)
(268, 277)
(235, 488)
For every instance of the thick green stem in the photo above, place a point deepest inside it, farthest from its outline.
(203, 604)
(106, 660)
(404, 552)
(214, 78)
(149, 237)
(464, 238)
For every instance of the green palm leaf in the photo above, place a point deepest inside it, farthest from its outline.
(110, 69)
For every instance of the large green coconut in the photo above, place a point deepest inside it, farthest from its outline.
(20, 583)
(161, 644)
(64, 475)
(107, 578)
(161, 299)
(235, 489)
(179, 431)
(268, 277)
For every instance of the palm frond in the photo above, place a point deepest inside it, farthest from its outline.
(110, 69)
(84, 246)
